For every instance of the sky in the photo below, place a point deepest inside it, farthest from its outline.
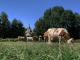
(29, 11)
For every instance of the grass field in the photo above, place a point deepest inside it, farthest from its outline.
(38, 51)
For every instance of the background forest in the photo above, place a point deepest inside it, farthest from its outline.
(53, 17)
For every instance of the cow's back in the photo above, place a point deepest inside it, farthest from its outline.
(51, 31)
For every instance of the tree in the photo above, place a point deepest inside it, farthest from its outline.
(5, 24)
(17, 28)
(58, 17)
(39, 29)
(0, 27)
(49, 20)
(8, 29)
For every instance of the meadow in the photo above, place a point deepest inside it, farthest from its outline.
(39, 51)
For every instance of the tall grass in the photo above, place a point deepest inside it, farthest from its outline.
(38, 51)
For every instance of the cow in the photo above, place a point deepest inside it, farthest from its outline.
(35, 38)
(21, 38)
(29, 38)
(40, 38)
(56, 32)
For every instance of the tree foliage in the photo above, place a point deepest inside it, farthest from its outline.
(18, 28)
(59, 17)
(8, 29)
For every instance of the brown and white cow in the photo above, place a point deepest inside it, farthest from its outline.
(21, 38)
(51, 33)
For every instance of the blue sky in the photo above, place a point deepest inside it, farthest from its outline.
(28, 11)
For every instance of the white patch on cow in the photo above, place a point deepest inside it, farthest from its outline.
(65, 30)
(59, 31)
(70, 40)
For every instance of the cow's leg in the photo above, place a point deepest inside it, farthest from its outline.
(44, 39)
(59, 37)
(32, 39)
(49, 40)
(27, 39)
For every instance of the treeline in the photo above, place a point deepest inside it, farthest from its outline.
(60, 18)
(10, 29)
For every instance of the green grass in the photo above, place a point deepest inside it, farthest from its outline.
(38, 51)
